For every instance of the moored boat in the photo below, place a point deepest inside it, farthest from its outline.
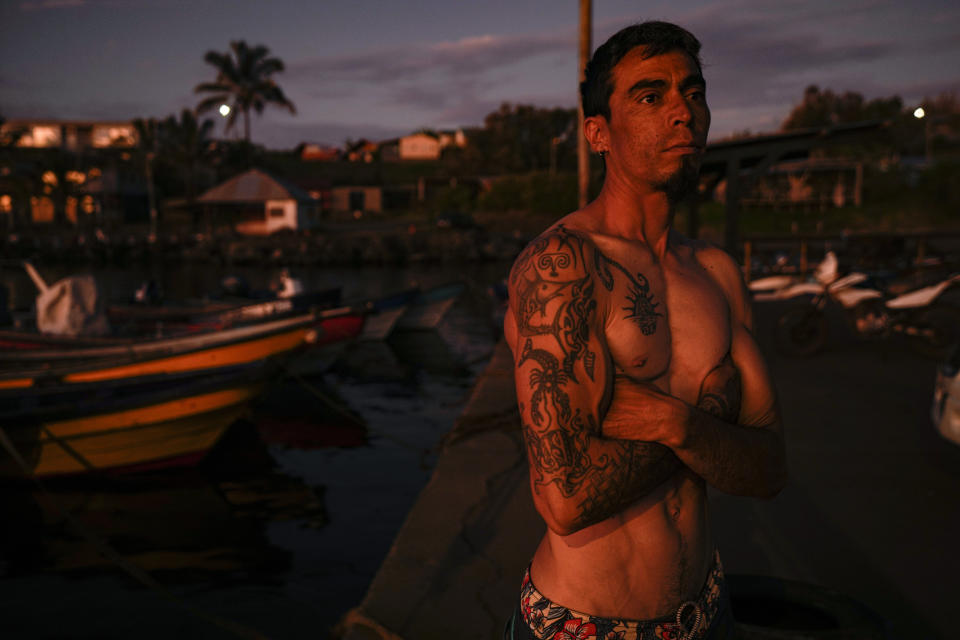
(219, 314)
(122, 358)
(428, 308)
(385, 312)
(337, 329)
(125, 425)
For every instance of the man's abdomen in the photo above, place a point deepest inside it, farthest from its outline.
(641, 564)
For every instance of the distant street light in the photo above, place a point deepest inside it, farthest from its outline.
(918, 113)
(225, 110)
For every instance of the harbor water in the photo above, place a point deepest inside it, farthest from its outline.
(280, 529)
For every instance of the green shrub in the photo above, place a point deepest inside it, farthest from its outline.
(538, 193)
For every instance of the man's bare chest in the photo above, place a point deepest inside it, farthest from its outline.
(665, 322)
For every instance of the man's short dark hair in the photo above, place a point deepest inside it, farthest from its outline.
(655, 37)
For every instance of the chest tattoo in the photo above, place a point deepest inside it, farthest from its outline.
(642, 308)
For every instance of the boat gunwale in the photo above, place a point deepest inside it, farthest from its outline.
(198, 382)
(119, 355)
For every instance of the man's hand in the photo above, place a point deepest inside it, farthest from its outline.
(640, 411)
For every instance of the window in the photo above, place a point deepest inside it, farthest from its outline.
(41, 136)
(357, 201)
(276, 212)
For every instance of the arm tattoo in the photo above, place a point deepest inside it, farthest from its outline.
(641, 467)
(546, 383)
(721, 390)
(555, 300)
(538, 282)
(561, 457)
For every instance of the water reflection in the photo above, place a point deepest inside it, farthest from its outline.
(177, 526)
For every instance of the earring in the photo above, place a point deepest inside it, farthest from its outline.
(603, 154)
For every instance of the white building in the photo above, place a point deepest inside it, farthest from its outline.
(256, 203)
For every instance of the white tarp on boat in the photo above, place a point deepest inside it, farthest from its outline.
(72, 307)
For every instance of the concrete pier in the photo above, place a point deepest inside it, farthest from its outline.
(455, 566)
(870, 510)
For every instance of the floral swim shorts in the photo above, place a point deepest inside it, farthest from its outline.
(707, 617)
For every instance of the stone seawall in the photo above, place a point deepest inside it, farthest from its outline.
(388, 246)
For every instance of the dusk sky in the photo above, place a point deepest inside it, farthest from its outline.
(376, 69)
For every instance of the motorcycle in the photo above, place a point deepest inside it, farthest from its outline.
(931, 326)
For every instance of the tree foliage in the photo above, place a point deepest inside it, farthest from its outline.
(517, 139)
(244, 81)
(826, 108)
(181, 152)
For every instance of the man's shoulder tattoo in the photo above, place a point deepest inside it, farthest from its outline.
(554, 296)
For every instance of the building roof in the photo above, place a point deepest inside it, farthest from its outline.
(254, 185)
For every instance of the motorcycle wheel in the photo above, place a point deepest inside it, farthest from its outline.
(939, 330)
(801, 331)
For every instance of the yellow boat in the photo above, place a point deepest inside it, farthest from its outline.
(150, 422)
(156, 403)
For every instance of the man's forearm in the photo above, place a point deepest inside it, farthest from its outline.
(736, 459)
(589, 478)
(633, 471)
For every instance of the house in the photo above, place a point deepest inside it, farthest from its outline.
(416, 146)
(452, 138)
(60, 172)
(354, 199)
(810, 183)
(311, 152)
(422, 145)
(72, 135)
(256, 203)
(361, 151)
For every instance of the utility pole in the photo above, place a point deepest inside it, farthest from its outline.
(151, 190)
(583, 151)
(151, 196)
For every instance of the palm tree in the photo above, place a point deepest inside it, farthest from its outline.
(244, 82)
(174, 151)
(186, 144)
(148, 136)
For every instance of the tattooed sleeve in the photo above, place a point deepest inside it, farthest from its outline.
(563, 374)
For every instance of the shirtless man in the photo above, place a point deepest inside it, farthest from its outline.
(638, 380)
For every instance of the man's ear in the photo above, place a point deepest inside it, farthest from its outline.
(597, 132)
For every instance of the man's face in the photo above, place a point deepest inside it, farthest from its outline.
(658, 121)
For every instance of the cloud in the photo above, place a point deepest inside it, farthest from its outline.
(755, 43)
(938, 44)
(79, 110)
(469, 56)
(8, 83)
(441, 77)
(43, 5)
(55, 5)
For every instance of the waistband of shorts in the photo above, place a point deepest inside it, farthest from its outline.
(692, 619)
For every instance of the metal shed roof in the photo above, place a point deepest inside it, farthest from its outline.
(253, 186)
